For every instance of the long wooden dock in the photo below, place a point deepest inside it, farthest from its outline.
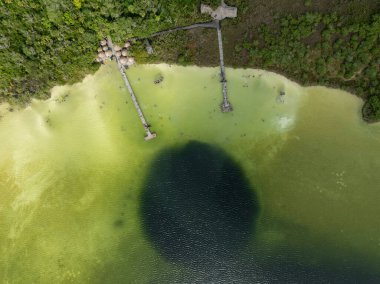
(149, 134)
(215, 24)
(225, 106)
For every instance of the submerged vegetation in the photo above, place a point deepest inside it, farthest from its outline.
(44, 43)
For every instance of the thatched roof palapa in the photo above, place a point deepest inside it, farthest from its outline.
(105, 48)
(124, 52)
(109, 53)
(123, 60)
(103, 42)
(118, 53)
(127, 44)
(117, 48)
(101, 55)
(130, 61)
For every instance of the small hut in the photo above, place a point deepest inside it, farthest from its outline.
(105, 48)
(117, 48)
(103, 42)
(101, 55)
(118, 53)
(100, 49)
(100, 60)
(130, 61)
(123, 60)
(124, 52)
(127, 44)
(108, 53)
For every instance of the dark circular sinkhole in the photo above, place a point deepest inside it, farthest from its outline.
(197, 206)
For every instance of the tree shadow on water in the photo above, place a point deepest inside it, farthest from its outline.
(197, 206)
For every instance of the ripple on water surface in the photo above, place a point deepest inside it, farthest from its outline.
(197, 205)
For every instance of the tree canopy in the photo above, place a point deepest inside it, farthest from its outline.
(48, 42)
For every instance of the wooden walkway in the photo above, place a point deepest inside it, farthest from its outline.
(225, 106)
(149, 135)
(222, 12)
(212, 24)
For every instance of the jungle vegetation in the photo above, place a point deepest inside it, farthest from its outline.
(319, 49)
(48, 42)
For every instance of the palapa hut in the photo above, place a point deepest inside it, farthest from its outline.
(98, 59)
(127, 44)
(101, 55)
(130, 61)
(124, 52)
(103, 42)
(105, 48)
(118, 53)
(100, 49)
(117, 48)
(123, 60)
(109, 53)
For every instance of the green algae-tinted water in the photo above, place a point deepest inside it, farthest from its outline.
(273, 191)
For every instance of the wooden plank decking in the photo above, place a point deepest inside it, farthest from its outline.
(149, 134)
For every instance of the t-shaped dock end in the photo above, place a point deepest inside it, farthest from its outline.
(150, 136)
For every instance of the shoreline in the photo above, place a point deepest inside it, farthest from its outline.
(312, 42)
(6, 108)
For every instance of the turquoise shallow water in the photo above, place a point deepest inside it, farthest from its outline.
(77, 204)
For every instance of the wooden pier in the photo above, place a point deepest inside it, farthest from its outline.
(225, 106)
(215, 24)
(149, 134)
(222, 12)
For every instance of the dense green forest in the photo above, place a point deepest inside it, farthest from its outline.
(334, 43)
(46, 42)
(319, 49)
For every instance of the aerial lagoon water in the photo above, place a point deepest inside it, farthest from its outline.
(281, 189)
